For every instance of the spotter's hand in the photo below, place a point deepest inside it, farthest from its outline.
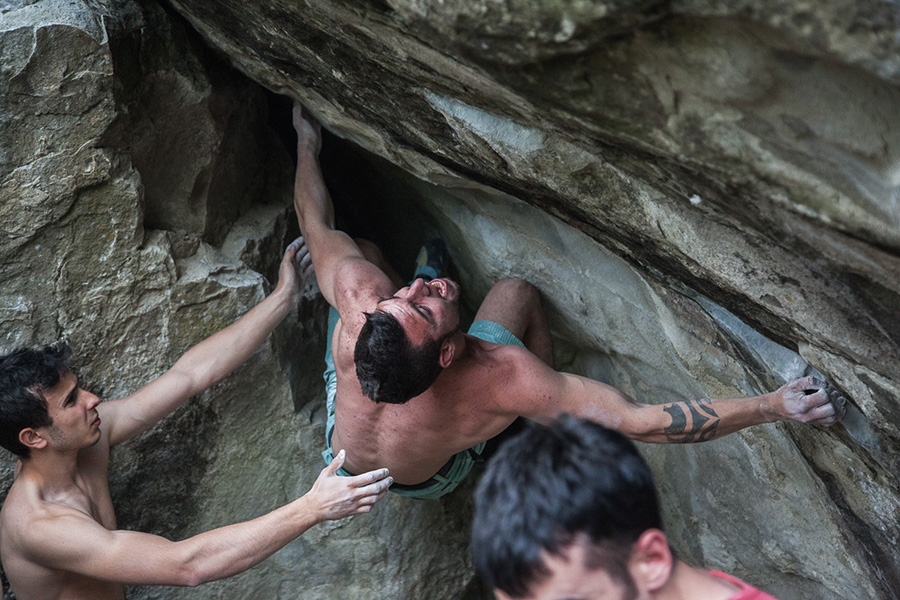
(296, 267)
(336, 497)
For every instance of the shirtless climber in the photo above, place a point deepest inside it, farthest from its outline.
(393, 342)
(58, 536)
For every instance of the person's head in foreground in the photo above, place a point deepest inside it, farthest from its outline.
(570, 512)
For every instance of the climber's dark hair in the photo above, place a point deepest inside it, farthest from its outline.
(25, 374)
(547, 485)
(389, 367)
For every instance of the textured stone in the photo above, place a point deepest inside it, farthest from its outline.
(705, 192)
(144, 205)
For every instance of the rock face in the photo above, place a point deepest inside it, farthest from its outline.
(707, 194)
(144, 205)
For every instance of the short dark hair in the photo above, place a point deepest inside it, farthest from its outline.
(389, 367)
(547, 485)
(25, 374)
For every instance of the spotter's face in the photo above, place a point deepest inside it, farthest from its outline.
(571, 579)
(75, 421)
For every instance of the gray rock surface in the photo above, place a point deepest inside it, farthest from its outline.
(705, 192)
(144, 205)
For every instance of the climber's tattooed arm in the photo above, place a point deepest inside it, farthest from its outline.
(700, 427)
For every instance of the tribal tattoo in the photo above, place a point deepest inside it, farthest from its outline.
(704, 421)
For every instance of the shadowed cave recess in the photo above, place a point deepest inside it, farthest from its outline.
(706, 194)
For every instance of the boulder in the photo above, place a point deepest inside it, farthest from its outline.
(738, 158)
(706, 194)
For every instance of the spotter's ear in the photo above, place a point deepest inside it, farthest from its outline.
(32, 439)
(651, 561)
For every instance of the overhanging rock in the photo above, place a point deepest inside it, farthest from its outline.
(744, 154)
(705, 193)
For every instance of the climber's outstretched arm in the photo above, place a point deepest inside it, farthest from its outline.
(542, 394)
(346, 278)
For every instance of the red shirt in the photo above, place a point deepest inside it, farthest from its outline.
(747, 591)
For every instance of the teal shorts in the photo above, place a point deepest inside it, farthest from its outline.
(451, 474)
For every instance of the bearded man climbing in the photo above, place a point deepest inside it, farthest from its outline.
(409, 390)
